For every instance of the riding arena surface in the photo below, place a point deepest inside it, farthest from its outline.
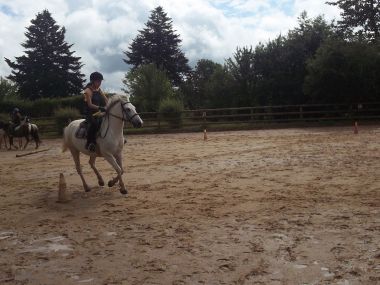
(290, 206)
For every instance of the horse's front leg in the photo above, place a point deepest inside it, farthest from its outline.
(11, 144)
(119, 161)
(92, 164)
(5, 141)
(112, 160)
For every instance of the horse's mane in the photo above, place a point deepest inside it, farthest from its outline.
(118, 97)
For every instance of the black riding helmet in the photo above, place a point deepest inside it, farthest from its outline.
(96, 76)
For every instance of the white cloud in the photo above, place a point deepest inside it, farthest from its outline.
(101, 30)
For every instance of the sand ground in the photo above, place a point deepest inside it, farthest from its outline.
(292, 206)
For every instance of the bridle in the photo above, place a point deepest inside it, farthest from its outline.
(124, 118)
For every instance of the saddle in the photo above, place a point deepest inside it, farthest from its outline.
(81, 132)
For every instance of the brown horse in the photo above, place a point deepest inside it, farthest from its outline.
(3, 135)
(24, 130)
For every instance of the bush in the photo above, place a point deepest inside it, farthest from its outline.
(73, 102)
(4, 117)
(65, 115)
(44, 107)
(171, 111)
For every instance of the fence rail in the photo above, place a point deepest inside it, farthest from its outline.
(250, 116)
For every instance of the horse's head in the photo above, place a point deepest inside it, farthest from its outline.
(128, 110)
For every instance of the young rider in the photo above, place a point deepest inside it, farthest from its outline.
(96, 101)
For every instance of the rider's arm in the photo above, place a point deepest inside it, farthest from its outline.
(88, 96)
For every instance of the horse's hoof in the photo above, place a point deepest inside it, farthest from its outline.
(87, 189)
(123, 191)
(111, 183)
(101, 183)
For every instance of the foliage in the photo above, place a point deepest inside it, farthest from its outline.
(171, 110)
(158, 43)
(4, 117)
(242, 68)
(48, 68)
(220, 89)
(196, 89)
(280, 65)
(359, 18)
(41, 108)
(7, 89)
(63, 116)
(344, 72)
(148, 86)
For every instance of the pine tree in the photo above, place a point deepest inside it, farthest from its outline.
(157, 43)
(361, 18)
(48, 68)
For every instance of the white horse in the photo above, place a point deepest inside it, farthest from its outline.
(110, 141)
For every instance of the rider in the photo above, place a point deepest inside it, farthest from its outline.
(96, 101)
(16, 118)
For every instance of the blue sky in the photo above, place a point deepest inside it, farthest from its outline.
(102, 29)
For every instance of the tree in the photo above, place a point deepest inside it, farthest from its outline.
(148, 86)
(280, 65)
(220, 89)
(242, 68)
(360, 18)
(196, 95)
(157, 43)
(49, 68)
(344, 72)
(7, 89)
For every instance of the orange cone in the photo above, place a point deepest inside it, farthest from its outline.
(205, 135)
(62, 197)
(356, 130)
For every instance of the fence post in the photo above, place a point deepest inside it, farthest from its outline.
(204, 116)
(301, 112)
(251, 114)
(159, 120)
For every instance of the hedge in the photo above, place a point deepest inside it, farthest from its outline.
(43, 107)
(63, 116)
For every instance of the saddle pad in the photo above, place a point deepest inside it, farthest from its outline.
(81, 132)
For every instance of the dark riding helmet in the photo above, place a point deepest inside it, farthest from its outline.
(96, 76)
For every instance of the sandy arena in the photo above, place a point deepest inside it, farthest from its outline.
(294, 206)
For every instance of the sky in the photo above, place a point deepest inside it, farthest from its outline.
(101, 30)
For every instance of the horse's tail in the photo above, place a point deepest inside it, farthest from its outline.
(65, 138)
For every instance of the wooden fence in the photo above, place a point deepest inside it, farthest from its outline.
(235, 118)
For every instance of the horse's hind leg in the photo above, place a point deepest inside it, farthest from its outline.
(92, 164)
(76, 158)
